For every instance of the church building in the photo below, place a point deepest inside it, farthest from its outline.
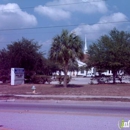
(82, 65)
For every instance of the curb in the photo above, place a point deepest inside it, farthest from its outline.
(65, 97)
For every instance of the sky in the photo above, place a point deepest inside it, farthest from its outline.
(42, 20)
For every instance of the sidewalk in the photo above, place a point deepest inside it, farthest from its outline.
(71, 96)
(66, 97)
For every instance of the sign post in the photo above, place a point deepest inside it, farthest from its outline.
(17, 76)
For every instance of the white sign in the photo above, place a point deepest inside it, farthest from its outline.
(17, 76)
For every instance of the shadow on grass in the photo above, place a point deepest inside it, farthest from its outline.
(68, 86)
(117, 83)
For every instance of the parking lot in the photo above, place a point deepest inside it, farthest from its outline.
(87, 80)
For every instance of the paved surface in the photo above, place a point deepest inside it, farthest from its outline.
(76, 81)
(70, 107)
(64, 97)
(80, 81)
(65, 120)
(54, 121)
(74, 96)
(87, 80)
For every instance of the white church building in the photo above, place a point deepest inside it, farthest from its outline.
(83, 72)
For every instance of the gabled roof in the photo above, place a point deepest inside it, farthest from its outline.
(84, 61)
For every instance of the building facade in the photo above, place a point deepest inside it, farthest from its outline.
(83, 67)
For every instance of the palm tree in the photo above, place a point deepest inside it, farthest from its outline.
(66, 48)
(73, 66)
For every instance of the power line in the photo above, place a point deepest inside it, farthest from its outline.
(8, 42)
(60, 26)
(77, 3)
(65, 4)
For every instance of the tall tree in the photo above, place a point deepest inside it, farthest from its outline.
(25, 53)
(111, 52)
(66, 48)
(73, 66)
(4, 57)
(4, 62)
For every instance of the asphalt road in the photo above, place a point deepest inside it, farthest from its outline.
(71, 107)
(61, 115)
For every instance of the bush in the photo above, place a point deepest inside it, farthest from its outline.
(28, 75)
(4, 75)
(4, 78)
(60, 78)
(41, 79)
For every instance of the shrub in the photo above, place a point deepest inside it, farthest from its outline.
(4, 75)
(4, 78)
(28, 75)
(60, 78)
(41, 79)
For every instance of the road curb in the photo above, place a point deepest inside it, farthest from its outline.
(11, 98)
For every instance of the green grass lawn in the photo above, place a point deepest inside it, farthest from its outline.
(48, 89)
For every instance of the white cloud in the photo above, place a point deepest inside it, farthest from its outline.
(53, 13)
(64, 10)
(94, 31)
(46, 43)
(12, 16)
(88, 6)
(114, 18)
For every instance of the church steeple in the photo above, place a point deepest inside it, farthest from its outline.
(85, 46)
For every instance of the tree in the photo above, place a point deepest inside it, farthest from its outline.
(111, 52)
(4, 59)
(4, 65)
(66, 48)
(73, 66)
(25, 53)
(50, 67)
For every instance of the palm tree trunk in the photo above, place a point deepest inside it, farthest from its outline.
(65, 75)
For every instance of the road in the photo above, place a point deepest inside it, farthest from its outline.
(74, 107)
(63, 115)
